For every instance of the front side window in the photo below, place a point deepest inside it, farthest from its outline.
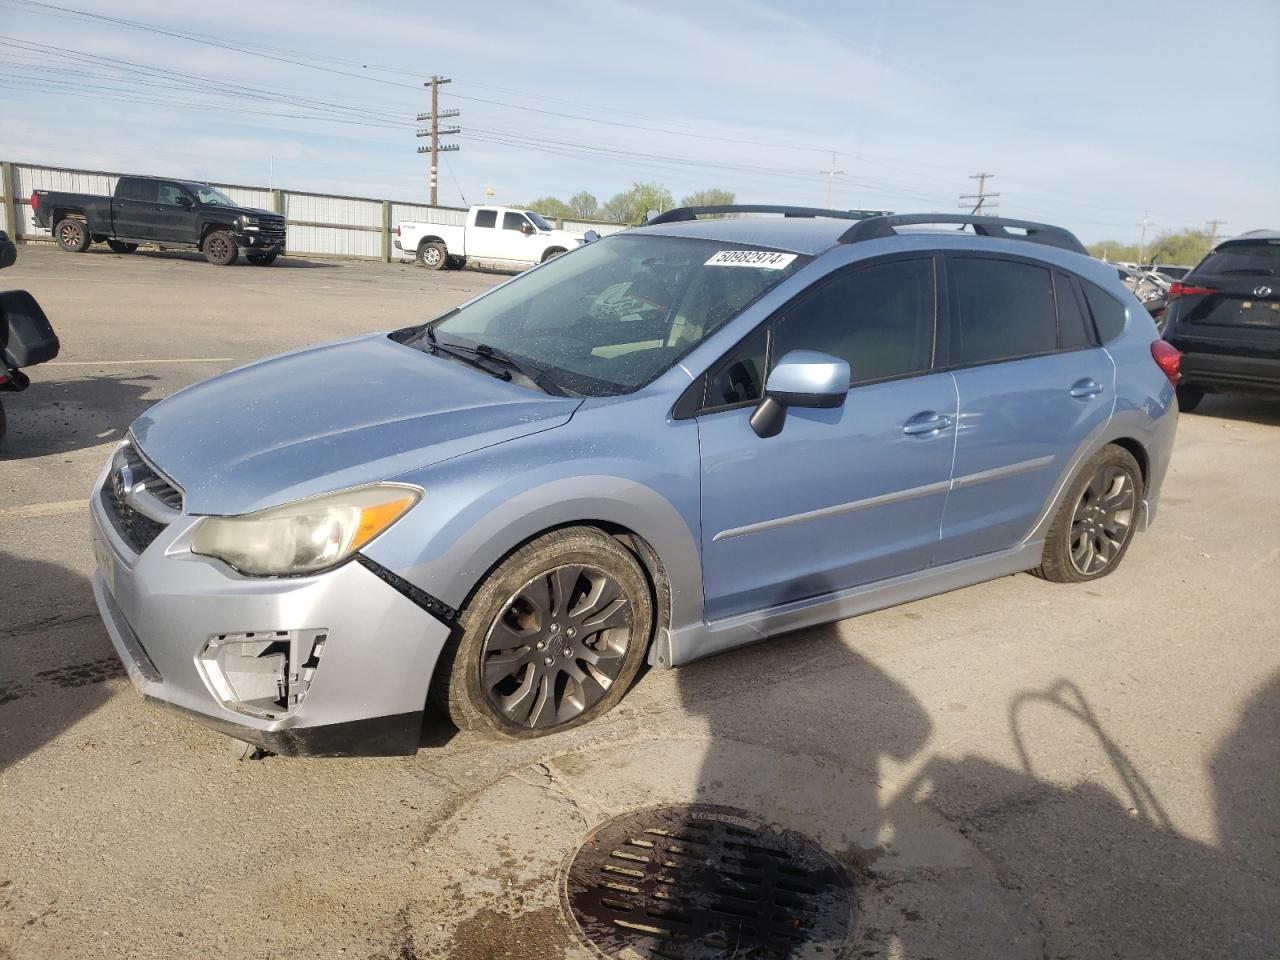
(486, 218)
(880, 318)
(170, 192)
(513, 221)
(608, 317)
(213, 198)
(1006, 310)
(538, 220)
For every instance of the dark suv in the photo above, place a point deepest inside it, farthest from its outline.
(1225, 317)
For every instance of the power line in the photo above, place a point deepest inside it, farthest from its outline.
(980, 198)
(1213, 226)
(831, 176)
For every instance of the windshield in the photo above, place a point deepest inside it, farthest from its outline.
(1253, 257)
(610, 316)
(538, 220)
(211, 197)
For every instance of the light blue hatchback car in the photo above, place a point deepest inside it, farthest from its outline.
(667, 443)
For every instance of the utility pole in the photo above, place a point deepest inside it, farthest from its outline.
(831, 176)
(1213, 226)
(979, 199)
(1142, 240)
(435, 132)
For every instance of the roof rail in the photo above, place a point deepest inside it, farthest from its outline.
(680, 214)
(873, 228)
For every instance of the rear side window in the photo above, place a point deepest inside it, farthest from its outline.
(1243, 258)
(513, 221)
(1006, 310)
(1108, 314)
(880, 318)
(143, 190)
(1073, 327)
(486, 218)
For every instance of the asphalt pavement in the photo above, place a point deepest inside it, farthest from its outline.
(1018, 769)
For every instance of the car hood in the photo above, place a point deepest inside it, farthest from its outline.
(331, 417)
(251, 211)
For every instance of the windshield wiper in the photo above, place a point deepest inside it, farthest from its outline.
(464, 354)
(534, 375)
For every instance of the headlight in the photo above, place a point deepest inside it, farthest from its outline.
(247, 222)
(307, 536)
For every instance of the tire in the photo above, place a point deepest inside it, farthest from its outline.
(433, 255)
(119, 246)
(548, 665)
(219, 248)
(72, 235)
(553, 252)
(1097, 519)
(262, 259)
(1189, 397)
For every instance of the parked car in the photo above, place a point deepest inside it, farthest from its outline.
(173, 213)
(26, 336)
(1225, 317)
(664, 444)
(497, 236)
(1170, 271)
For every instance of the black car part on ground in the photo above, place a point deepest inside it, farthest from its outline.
(26, 336)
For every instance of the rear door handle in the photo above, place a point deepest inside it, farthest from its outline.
(1086, 389)
(926, 423)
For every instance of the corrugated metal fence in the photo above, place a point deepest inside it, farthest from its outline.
(319, 225)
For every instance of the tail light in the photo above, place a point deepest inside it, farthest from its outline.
(1178, 289)
(35, 201)
(4, 378)
(1168, 358)
(397, 229)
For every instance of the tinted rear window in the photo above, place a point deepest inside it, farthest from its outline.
(144, 190)
(486, 218)
(1006, 310)
(1108, 313)
(1255, 258)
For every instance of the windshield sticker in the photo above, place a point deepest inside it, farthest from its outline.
(761, 259)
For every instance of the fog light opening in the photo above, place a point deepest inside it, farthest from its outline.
(263, 674)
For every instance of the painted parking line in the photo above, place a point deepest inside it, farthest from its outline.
(54, 508)
(137, 363)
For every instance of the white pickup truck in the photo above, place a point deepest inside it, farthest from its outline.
(498, 236)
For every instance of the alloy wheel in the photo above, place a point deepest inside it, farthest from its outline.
(1103, 519)
(431, 256)
(70, 234)
(557, 646)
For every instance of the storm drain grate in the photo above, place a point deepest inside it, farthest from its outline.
(697, 882)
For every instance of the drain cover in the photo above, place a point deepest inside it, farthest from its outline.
(698, 882)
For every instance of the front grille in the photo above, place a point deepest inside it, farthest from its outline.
(129, 472)
(271, 231)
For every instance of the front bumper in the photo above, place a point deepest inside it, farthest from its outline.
(365, 688)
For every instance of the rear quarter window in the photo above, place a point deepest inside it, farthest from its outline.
(1107, 311)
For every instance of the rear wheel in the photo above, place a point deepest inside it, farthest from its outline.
(72, 235)
(553, 638)
(219, 248)
(119, 246)
(1097, 519)
(553, 252)
(1189, 397)
(433, 255)
(262, 258)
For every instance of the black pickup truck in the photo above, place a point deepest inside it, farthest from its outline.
(172, 213)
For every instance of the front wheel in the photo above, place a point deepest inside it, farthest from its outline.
(553, 638)
(262, 258)
(219, 248)
(119, 246)
(72, 235)
(433, 255)
(552, 253)
(1095, 524)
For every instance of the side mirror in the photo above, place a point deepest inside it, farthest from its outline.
(591, 236)
(527, 229)
(8, 251)
(185, 201)
(802, 378)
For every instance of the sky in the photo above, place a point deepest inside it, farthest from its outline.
(1091, 115)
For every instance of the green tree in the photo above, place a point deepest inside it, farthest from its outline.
(550, 207)
(584, 205)
(1183, 247)
(632, 205)
(711, 197)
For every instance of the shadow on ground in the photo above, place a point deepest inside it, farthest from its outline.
(1104, 875)
(1253, 407)
(194, 256)
(53, 660)
(72, 413)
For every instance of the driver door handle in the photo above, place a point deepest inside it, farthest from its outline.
(926, 423)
